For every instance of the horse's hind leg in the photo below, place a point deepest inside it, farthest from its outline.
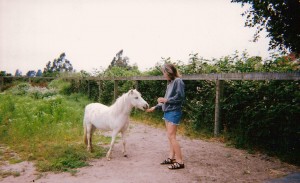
(113, 139)
(89, 132)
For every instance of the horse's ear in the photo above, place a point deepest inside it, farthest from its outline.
(131, 91)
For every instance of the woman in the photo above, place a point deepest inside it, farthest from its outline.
(171, 105)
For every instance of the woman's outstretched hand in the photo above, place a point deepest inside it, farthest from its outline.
(150, 109)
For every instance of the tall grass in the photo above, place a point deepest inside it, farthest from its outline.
(46, 129)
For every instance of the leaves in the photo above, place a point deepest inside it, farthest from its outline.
(279, 18)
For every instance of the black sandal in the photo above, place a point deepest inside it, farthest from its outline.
(168, 161)
(176, 166)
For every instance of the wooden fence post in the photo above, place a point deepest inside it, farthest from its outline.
(219, 90)
(137, 84)
(88, 83)
(79, 82)
(115, 90)
(1, 83)
(99, 88)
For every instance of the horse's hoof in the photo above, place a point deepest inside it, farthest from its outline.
(125, 155)
(108, 159)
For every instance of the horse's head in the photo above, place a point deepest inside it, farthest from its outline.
(137, 100)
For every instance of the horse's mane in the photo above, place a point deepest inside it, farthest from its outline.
(120, 104)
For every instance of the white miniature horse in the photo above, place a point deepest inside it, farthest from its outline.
(114, 118)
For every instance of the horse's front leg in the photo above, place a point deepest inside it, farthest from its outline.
(113, 139)
(123, 133)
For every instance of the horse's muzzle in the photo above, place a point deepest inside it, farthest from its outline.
(146, 106)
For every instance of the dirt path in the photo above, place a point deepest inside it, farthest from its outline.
(147, 146)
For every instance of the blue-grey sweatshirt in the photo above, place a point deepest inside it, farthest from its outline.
(175, 96)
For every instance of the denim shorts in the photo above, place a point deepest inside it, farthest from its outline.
(173, 117)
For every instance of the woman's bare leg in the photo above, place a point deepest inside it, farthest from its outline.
(171, 131)
(171, 151)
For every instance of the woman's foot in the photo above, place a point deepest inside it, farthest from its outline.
(168, 161)
(176, 165)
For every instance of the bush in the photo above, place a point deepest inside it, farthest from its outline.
(63, 87)
(263, 115)
(39, 93)
(21, 89)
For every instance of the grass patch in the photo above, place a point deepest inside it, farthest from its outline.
(66, 159)
(47, 130)
(4, 174)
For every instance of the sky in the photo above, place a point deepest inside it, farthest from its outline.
(91, 32)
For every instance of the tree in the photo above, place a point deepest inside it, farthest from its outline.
(31, 73)
(18, 73)
(280, 18)
(60, 64)
(2, 73)
(39, 73)
(120, 61)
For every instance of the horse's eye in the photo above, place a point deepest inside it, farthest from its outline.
(136, 97)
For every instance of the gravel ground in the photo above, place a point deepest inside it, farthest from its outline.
(147, 146)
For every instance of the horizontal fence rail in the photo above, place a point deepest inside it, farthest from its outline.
(222, 76)
(219, 76)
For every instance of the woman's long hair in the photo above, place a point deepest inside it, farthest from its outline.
(171, 71)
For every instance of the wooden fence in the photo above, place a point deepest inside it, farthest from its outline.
(218, 78)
